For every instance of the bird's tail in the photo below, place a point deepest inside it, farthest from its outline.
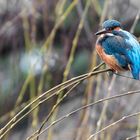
(136, 73)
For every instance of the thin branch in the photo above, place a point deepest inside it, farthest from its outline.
(70, 60)
(14, 120)
(49, 115)
(83, 107)
(114, 123)
(53, 109)
(85, 24)
(124, 76)
(103, 112)
(46, 45)
(138, 128)
(133, 137)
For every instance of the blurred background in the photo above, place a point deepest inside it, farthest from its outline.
(46, 42)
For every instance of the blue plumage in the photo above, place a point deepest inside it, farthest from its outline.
(111, 24)
(119, 48)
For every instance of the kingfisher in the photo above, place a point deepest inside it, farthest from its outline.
(118, 48)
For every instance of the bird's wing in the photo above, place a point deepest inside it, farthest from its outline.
(133, 55)
(116, 46)
(134, 52)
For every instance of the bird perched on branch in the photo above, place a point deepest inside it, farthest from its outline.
(118, 48)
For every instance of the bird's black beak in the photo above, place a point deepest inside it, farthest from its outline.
(103, 31)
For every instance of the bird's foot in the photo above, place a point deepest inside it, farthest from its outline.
(111, 72)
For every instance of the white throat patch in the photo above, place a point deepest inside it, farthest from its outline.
(109, 34)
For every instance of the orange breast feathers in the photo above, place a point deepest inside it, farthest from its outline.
(108, 59)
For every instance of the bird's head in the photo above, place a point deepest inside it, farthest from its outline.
(109, 26)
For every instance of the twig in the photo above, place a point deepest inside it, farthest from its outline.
(45, 121)
(14, 120)
(103, 112)
(138, 128)
(46, 45)
(133, 137)
(53, 109)
(124, 76)
(112, 124)
(80, 131)
(85, 24)
(83, 107)
(71, 58)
